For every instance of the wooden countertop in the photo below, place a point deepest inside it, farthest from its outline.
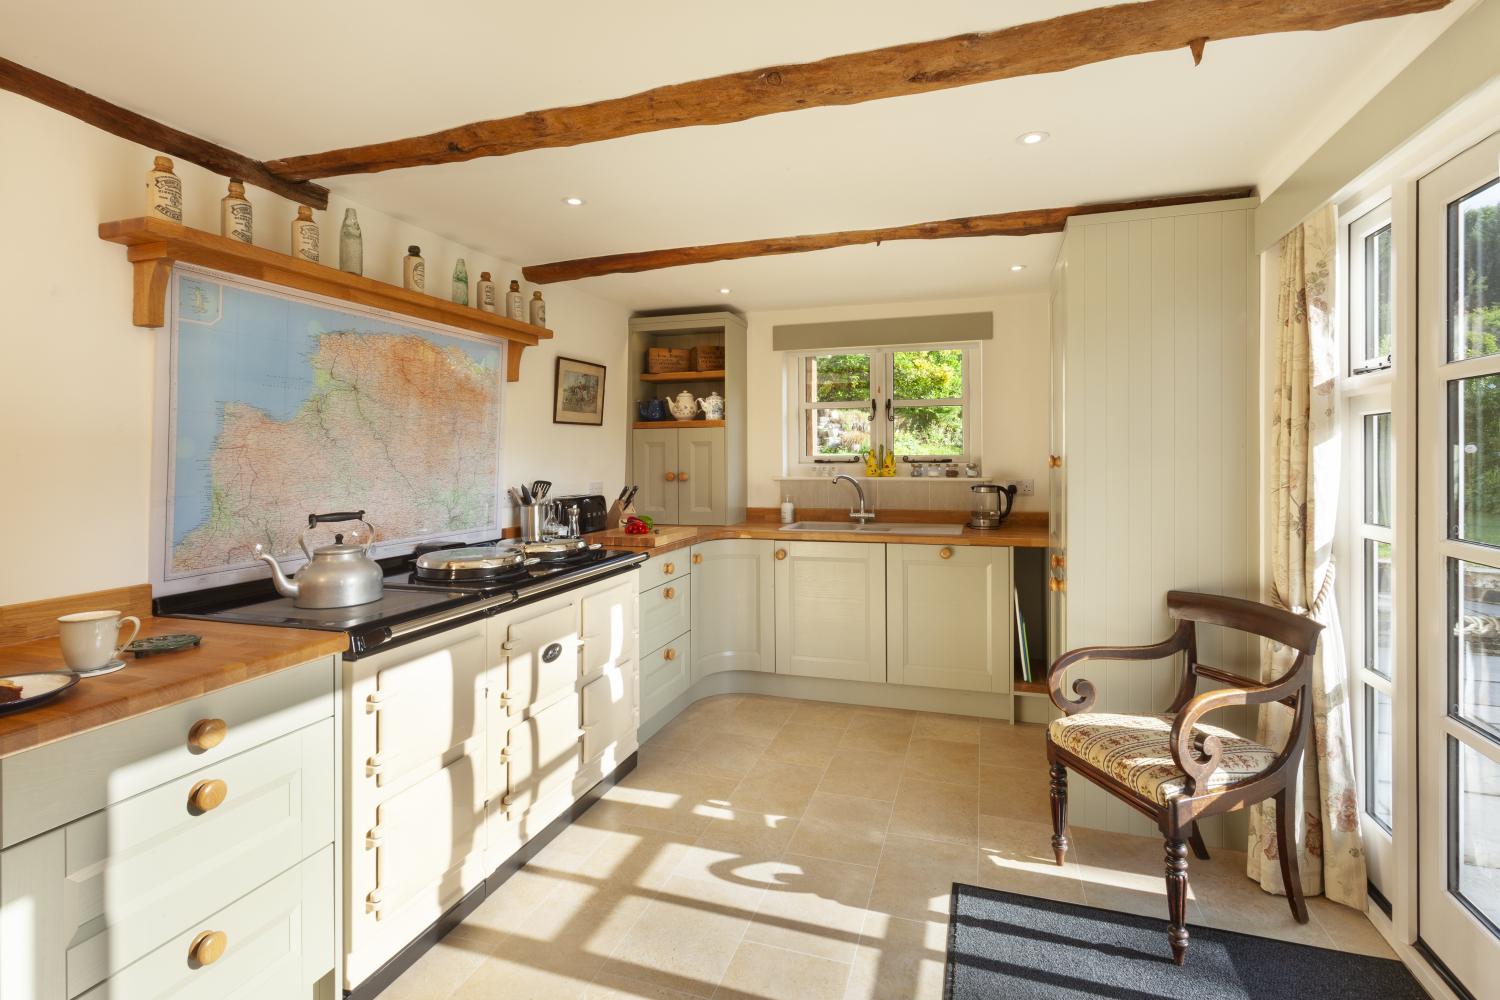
(1024, 529)
(229, 654)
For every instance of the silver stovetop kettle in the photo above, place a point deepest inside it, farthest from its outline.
(335, 576)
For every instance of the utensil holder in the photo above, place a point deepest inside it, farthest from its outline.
(533, 522)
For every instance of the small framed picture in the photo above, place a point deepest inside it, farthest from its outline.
(578, 395)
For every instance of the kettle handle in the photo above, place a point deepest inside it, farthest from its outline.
(1009, 491)
(313, 520)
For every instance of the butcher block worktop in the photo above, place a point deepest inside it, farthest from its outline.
(228, 655)
(1023, 529)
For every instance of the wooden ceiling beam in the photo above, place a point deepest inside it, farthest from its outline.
(1024, 223)
(1050, 46)
(152, 134)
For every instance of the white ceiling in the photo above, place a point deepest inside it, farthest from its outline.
(281, 78)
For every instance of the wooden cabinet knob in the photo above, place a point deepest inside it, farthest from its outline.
(207, 733)
(669, 592)
(207, 948)
(669, 653)
(1054, 461)
(1055, 585)
(669, 568)
(781, 553)
(207, 795)
(682, 477)
(671, 477)
(945, 553)
(697, 558)
(1058, 562)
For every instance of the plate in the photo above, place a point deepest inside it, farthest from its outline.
(36, 688)
(153, 644)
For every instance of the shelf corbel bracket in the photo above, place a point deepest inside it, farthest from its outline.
(513, 360)
(152, 264)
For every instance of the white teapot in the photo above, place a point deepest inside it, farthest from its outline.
(683, 405)
(713, 406)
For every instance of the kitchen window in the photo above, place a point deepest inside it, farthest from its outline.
(1371, 301)
(918, 402)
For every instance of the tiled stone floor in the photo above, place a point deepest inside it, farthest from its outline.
(770, 848)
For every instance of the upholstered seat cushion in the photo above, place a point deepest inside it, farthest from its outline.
(1135, 751)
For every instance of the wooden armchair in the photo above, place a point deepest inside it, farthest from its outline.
(1171, 768)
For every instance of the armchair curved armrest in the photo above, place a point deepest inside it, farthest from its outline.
(1211, 748)
(1175, 643)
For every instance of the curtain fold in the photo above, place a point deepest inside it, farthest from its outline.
(1304, 480)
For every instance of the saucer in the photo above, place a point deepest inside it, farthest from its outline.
(108, 668)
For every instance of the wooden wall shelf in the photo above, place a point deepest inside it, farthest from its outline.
(664, 425)
(713, 376)
(154, 245)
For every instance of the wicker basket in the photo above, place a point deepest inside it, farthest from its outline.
(668, 359)
(708, 358)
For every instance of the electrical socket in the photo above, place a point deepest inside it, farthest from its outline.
(1024, 487)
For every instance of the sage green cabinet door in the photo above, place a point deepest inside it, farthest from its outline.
(655, 458)
(830, 610)
(950, 617)
(734, 607)
(701, 476)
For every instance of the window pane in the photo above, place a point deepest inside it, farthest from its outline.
(838, 378)
(928, 375)
(1474, 433)
(1475, 829)
(1379, 470)
(1379, 756)
(1378, 294)
(929, 430)
(1474, 678)
(1379, 614)
(1474, 273)
(838, 432)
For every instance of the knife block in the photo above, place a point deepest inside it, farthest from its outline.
(618, 514)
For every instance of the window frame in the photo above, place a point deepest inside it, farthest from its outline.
(883, 403)
(1357, 268)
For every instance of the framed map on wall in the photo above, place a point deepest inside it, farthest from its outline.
(275, 404)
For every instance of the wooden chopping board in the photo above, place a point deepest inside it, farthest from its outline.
(659, 536)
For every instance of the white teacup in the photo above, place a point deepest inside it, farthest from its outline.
(91, 639)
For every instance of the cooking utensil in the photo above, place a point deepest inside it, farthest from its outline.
(526, 497)
(475, 562)
(516, 496)
(554, 549)
(631, 498)
(22, 691)
(540, 489)
(340, 575)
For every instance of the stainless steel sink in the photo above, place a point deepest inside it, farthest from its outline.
(876, 528)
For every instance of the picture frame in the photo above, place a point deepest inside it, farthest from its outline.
(578, 392)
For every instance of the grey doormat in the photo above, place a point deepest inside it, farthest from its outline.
(1004, 945)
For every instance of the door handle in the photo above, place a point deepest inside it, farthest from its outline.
(889, 413)
(873, 410)
(375, 838)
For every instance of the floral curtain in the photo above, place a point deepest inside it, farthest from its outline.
(1304, 485)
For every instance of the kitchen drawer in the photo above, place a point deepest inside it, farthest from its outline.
(538, 656)
(44, 788)
(411, 705)
(106, 890)
(664, 675)
(277, 944)
(609, 627)
(540, 756)
(609, 711)
(665, 613)
(421, 839)
(657, 570)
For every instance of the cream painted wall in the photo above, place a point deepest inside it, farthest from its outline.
(76, 393)
(1014, 371)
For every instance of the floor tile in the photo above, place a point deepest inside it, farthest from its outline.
(943, 760)
(899, 960)
(816, 907)
(822, 713)
(1349, 929)
(916, 877)
(1004, 744)
(509, 906)
(936, 811)
(730, 754)
(869, 774)
(799, 743)
(611, 986)
(775, 788)
(633, 858)
(687, 936)
(437, 973)
(842, 828)
(1016, 856)
(760, 972)
(1018, 793)
(521, 967)
(954, 728)
(889, 732)
(669, 800)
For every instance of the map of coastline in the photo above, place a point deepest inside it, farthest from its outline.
(282, 407)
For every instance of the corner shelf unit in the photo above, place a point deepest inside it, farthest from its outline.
(154, 245)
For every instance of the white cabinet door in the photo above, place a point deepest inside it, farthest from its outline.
(538, 657)
(542, 756)
(830, 610)
(655, 458)
(422, 837)
(700, 476)
(734, 606)
(666, 611)
(609, 715)
(609, 628)
(949, 616)
(664, 675)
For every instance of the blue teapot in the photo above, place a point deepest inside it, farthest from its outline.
(651, 409)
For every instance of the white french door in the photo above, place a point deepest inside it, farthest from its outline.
(1458, 565)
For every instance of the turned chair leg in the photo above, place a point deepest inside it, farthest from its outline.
(1286, 849)
(1059, 812)
(1200, 849)
(1177, 897)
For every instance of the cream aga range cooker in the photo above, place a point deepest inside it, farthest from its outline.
(487, 699)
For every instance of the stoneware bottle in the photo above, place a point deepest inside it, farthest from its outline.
(305, 238)
(538, 310)
(515, 305)
(351, 244)
(163, 191)
(461, 283)
(414, 270)
(484, 294)
(234, 214)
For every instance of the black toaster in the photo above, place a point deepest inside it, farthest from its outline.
(593, 510)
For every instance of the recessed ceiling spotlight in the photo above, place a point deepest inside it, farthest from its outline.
(723, 291)
(575, 201)
(1032, 138)
(1018, 267)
